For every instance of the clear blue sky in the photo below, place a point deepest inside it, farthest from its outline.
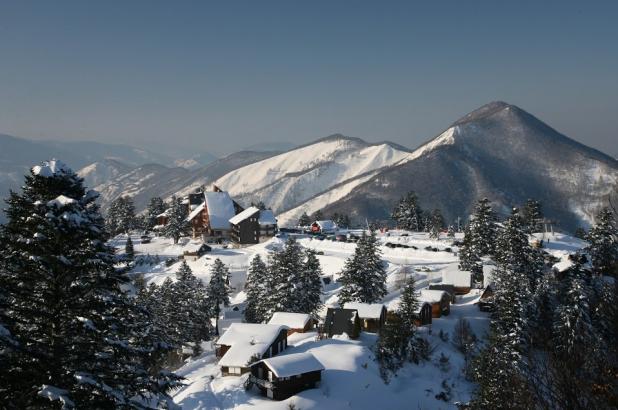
(220, 76)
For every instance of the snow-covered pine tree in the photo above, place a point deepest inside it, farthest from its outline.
(407, 214)
(408, 306)
(391, 350)
(436, 224)
(129, 251)
(318, 215)
(121, 216)
(532, 216)
(80, 334)
(219, 289)
(342, 220)
(304, 220)
(285, 274)
(469, 255)
(257, 293)
(156, 206)
(309, 289)
(483, 227)
(450, 232)
(603, 248)
(177, 224)
(364, 278)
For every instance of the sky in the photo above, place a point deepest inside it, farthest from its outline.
(220, 76)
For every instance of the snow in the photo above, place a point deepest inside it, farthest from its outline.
(457, 278)
(247, 340)
(193, 213)
(288, 365)
(366, 310)
(220, 209)
(431, 296)
(327, 225)
(61, 201)
(291, 320)
(446, 138)
(50, 168)
(54, 393)
(244, 215)
(267, 217)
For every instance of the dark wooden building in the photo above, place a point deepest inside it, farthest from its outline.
(253, 226)
(339, 321)
(372, 315)
(424, 314)
(440, 301)
(296, 322)
(283, 376)
(450, 289)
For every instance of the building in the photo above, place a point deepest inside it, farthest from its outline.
(450, 289)
(296, 322)
(424, 314)
(372, 315)
(439, 299)
(211, 218)
(324, 227)
(339, 321)
(283, 376)
(246, 343)
(195, 252)
(461, 280)
(253, 226)
(162, 219)
(486, 301)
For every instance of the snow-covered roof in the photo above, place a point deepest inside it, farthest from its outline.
(61, 201)
(291, 320)
(563, 265)
(293, 364)
(164, 213)
(247, 213)
(247, 340)
(431, 295)
(195, 212)
(267, 217)
(50, 168)
(457, 278)
(366, 310)
(220, 209)
(224, 324)
(327, 225)
(421, 305)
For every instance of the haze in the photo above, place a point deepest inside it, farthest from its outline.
(198, 76)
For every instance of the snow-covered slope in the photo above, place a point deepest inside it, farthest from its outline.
(103, 171)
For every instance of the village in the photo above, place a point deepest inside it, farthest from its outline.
(324, 360)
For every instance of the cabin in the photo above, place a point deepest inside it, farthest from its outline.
(440, 301)
(339, 321)
(296, 322)
(210, 220)
(196, 252)
(281, 377)
(244, 343)
(253, 226)
(486, 301)
(372, 315)
(324, 227)
(424, 314)
(461, 281)
(450, 289)
(162, 219)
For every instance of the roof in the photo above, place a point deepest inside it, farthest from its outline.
(51, 168)
(224, 324)
(220, 209)
(431, 295)
(421, 305)
(267, 217)
(196, 212)
(247, 213)
(247, 340)
(291, 320)
(457, 278)
(293, 364)
(326, 225)
(366, 310)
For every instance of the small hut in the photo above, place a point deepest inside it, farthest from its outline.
(372, 315)
(296, 322)
(339, 321)
(440, 301)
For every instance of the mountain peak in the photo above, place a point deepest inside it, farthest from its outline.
(485, 111)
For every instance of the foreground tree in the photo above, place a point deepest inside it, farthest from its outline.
(156, 207)
(257, 293)
(219, 289)
(121, 216)
(363, 278)
(80, 340)
(177, 224)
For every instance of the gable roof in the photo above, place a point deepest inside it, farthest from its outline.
(247, 340)
(457, 278)
(326, 225)
(291, 320)
(196, 211)
(247, 213)
(267, 217)
(220, 209)
(431, 295)
(293, 364)
(366, 310)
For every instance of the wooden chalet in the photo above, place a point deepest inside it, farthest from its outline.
(339, 321)
(486, 301)
(253, 226)
(324, 227)
(296, 322)
(424, 314)
(372, 315)
(461, 281)
(439, 299)
(211, 218)
(244, 343)
(450, 289)
(196, 252)
(283, 376)
(162, 219)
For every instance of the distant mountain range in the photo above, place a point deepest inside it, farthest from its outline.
(498, 151)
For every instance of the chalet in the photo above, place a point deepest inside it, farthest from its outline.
(253, 226)
(450, 289)
(339, 321)
(283, 376)
(195, 252)
(162, 219)
(461, 280)
(324, 227)
(440, 301)
(372, 316)
(424, 314)
(243, 343)
(211, 218)
(296, 322)
(486, 301)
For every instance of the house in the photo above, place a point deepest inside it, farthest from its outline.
(244, 343)
(283, 376)
(296, 322)
(211, 219)
(439, 299)
(324, 227)
(339, 321)
(372, 315)
(253, 226)
(424, 314)
(486, 301)
(450, 289)
(162, 219)
(195, 252)
(461, 280)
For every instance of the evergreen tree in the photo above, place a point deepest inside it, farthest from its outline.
(363, 278)
(177, 224)
(408, 214)
(257, 293)
(532, 216)
(479, 239)
(79, 334)
(304, 220)
(121, 216)
(219, 289)
(391, 349)
(308, 290)
(469, 256)
(285, 279)
(603, 248)
(318, 215)
(128, 249)
(408, 305)
(436, 224)
(156, 207)
(342, 220)
(451, 232)
(580, 233)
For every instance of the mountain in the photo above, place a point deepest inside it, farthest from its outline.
(498, 151)
(103, 171)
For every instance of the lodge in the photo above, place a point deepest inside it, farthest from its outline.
(296, 322)
(253, 226)
(439, 299)
(339, 321)
(372, 315)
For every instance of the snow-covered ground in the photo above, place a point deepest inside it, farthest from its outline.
(351, 378)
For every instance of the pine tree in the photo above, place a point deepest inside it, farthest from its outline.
(177, 224)
(285, 276)
(532, 216)
(318, 215)
(450, 232)
(342, 220)
(78, 332)
(219, 289)
(391, 348)
(408, 214)
(408, 305)
(603, 248)
(436, 224)
(479, 239)
(128, 249)
(469, 256)
(257, 293)
(121, 216)
(156, 206)
(309, 289)
(363, 278)
(304, 220)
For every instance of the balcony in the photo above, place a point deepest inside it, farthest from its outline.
(260, 382)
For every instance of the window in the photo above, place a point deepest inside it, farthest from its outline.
(270, 376)
(234, 370)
